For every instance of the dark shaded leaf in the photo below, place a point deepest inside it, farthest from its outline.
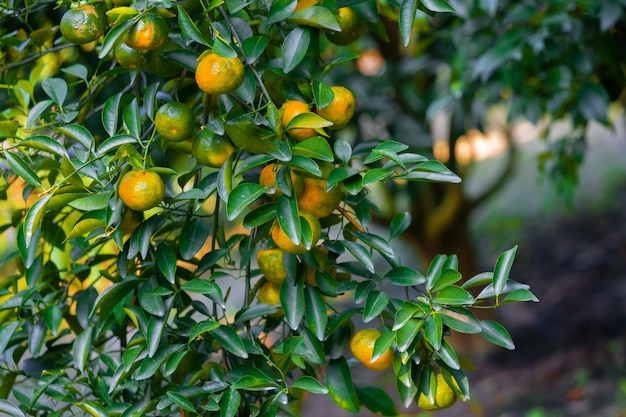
(340, 386)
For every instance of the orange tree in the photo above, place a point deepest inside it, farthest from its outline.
(136, 284)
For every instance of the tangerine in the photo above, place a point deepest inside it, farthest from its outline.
(352, 27)
(271, 265)
(141, 189)
(149, 32)
(292, 108)
(174, 121)
(340, 110)
(362, 348)
(268, 179)
(83, 24)
(218, 75)
(210, 149)
(269, 294)
(285, 243)
(316, 200)
(444, 396)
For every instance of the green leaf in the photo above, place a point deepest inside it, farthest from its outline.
(166, 261)
(6, 332)
(36, 112)
(308, 120)
(340, 386)
(80, 134)
(33, 217)
(202, 327)
(437, 5)
(230, 341)
(178, 399)
(154, 333)
(453, 295)
(448, 355)
(361, 254)
(502, 270)
(113, 295)
(446, 278)
(242, 197)
(405, 335)
(56, 89)
(20, 167)
(280, 10)
(304, 163)
(254, 46)
(289, 219)
(375, 175)
(292, 301)
(434, 330)
(193, 236)
(338, 175)
(110, 113)
(93, 408)
(132, 118)
(406, 19)
(93, 202)
(343, 150)
(189, 28)
(10, 409)
(310, 384)
(495, 333)
(382, 344)
(81, 348)
(260, 215)
(375, 304)
(377, 401)
(593, 102)
(316, 148)
(316, 16)
(315, 311)
(294, 48)
(404, 276)
(113, 37)
(434, 270)
(460, 319)
(230, 403)
(114, 142)
(376, 242)
(518, 295)
(44, 143)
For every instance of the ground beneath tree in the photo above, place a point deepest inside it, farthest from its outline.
(570, 357)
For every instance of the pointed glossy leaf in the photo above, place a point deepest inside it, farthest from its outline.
(242, 197)
(20, 167)
(295, 47)
(193, 237)
(189, 28)
(446, 278)
(453, 295)
(33, 218)
(203, 327)
(315, 311)
(434, 330)
(448, 355)
(110, 113)
(292, 301)
(44, 143)
(230, 403)
(361, 254)
(10, 409)
(93, 408)
(406, 19)
(308, 120)
(406, 392)
(81, 348)
(35, 113)
(56, 89)
(437, 5)
(316, 16)
(132, 119)
(6, 332)
(518, 295)
(340, 385)
(376, 400)
(288, 218)
(80, 134)
(254, 47)
(280, 10)
(316, 148)
(114, 295)
(404, 276)
(406, 313)
(375, 175)
(460, 319)
(178, 399)
(382, 345)
(154, 333)
(310, 384)
(406, 334)
(377, 243)
(230, 341)
(495, 333)
(434, 270)
(114, 142)
(502, 270)
(260, 215)
(113, 37)
(166, 261)
(375, 304)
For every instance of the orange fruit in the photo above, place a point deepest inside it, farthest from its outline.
(219, 75)
(141, 190)
(149, 32)
(352, 27)
(269, 294)
(268, 179)
(292, 108)
(83, 24)
(362, 347)
(340, 110)
(130, 58)
(271, 265)
(444, 396)
(282, 240)
(174, 121)
(210, 149)
(316, 200)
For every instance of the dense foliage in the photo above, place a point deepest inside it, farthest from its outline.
(108, 311)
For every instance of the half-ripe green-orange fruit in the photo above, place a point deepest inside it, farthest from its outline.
(83, 24)
(174, 121)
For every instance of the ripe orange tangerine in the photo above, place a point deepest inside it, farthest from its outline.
(218, 75)
(141, 190)
(340, 110)
(292, 108)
